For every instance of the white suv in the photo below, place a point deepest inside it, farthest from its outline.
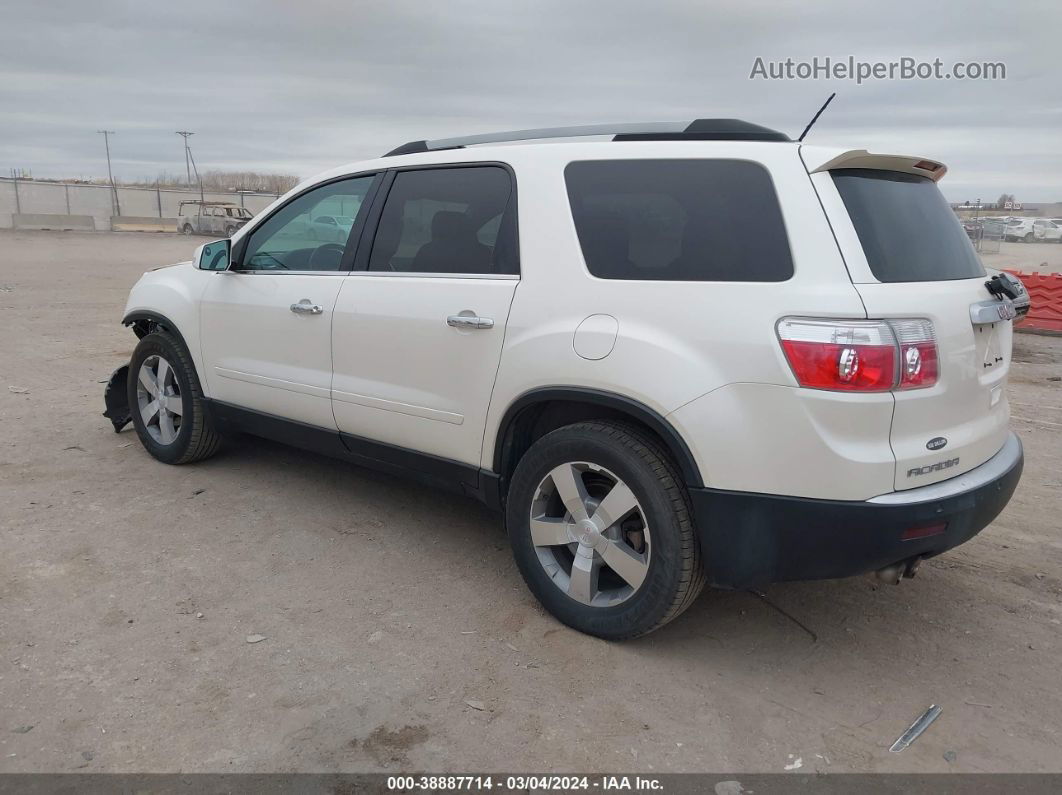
(1047, 230)
(1020, 230)
(687, 352)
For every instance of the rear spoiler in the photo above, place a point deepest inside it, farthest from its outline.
(822, 159)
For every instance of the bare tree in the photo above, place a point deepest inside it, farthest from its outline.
(228, 181)
(249, 180)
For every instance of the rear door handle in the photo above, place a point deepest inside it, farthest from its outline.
(304, 307)
(470, 321)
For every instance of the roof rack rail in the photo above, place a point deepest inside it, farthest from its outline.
(696, 130)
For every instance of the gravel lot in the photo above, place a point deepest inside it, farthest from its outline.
(1027, 257)
(398, 634)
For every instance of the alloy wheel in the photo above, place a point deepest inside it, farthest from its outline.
(158, 397)
(590, 534)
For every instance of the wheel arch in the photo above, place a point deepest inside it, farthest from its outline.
(540, 410)
(142, 320)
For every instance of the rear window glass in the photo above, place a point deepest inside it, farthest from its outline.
(908, 231)
(679, 220)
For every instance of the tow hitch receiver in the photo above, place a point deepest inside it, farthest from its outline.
(116, 398)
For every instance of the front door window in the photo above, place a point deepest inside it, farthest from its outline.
(291, 239)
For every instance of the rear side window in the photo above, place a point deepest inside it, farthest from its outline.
(908, 231)
(679, 220)
(448, 220)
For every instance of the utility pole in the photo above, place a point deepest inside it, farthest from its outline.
(195, 171)
(187, 154)
(107, 145)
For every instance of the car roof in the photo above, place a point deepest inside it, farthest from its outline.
(700, 138)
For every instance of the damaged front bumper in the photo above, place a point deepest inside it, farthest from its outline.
(116, 398)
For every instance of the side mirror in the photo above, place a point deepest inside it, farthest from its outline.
(213, 256)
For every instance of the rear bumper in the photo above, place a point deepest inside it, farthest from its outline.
(752, 539)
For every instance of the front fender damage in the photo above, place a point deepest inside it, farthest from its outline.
(116, 398)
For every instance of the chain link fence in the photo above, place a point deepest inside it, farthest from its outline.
(985, 233)
(29, 204)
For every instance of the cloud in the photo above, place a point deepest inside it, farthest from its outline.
(300, 87)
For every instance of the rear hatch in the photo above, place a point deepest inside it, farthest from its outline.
(909, 257)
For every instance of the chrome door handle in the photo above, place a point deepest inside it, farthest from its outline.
(304, 307)
(469, 321)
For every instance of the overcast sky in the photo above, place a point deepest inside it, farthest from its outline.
(297, 87)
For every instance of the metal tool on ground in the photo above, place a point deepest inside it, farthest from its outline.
(916, 728)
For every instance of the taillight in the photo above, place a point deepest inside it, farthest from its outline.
(918, 353)
(860, 355)
(853, 356)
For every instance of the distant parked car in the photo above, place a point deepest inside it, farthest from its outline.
(206, 218)
(1047, 230)
(1020, 229)
(330, 228)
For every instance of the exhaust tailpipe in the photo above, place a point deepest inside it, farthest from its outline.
(898, 571)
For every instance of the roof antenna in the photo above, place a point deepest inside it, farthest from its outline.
(815, 118)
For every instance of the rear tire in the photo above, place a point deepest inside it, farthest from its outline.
(653, 543)
(175, 427)
(186, 229)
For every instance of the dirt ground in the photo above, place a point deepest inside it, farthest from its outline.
(1027, 257)
(128, 590)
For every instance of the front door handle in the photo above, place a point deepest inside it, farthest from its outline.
(304, 307)
(470, 321)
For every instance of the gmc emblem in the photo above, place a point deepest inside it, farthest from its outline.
(932, 467)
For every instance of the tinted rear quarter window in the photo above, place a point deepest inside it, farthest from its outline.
(908, 231)
(678, 220)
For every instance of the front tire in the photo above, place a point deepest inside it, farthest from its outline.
(166, 402)
(601, 530)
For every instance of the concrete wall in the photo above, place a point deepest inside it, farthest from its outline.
(22, 197)
(80, 223)
(133, 223)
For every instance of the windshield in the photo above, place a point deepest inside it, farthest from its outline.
(908, 231)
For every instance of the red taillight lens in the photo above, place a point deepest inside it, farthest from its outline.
(826, 365)
(860, 355)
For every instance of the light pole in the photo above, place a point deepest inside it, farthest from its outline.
(187, 153)
(107, 145)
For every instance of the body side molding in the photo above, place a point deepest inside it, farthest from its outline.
(431, 470)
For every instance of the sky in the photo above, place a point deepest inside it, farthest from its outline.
(299, 87)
